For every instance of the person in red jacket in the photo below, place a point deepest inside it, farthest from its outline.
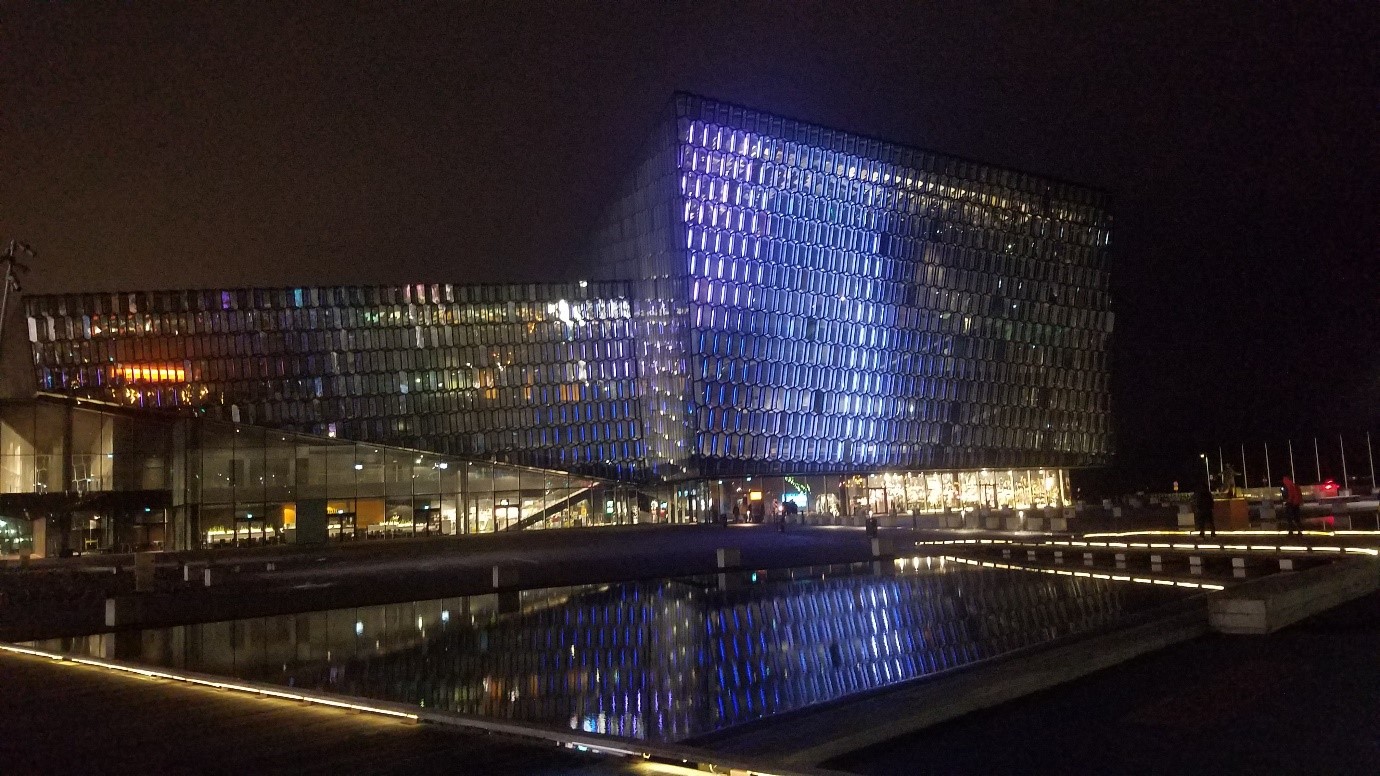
(1293, 503)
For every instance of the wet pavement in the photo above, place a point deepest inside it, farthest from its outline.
(1304, 700)
(68, 718)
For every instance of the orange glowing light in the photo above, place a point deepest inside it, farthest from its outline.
(155, 373)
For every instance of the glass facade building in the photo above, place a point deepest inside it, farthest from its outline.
(541, 375)
(844, 304)
(82, 476)
(772, 298)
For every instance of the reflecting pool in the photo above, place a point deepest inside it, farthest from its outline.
(661, 660)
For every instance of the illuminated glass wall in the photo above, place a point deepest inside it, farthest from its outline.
(779, 299)
(857, 305)
(543, 375)
(640, 243)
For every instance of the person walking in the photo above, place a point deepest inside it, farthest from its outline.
(1202, 510)
(1293, 505)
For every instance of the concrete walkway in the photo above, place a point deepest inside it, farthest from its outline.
(1304, 700)
(70, 718)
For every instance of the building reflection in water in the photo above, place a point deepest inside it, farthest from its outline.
(658, 660)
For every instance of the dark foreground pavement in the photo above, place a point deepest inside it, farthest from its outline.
(65, 718)
(1305, 700)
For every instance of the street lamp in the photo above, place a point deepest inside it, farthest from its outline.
(1206, 471)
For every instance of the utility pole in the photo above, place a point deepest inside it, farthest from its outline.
(1371, 455)
(11, 280)
(1346, 483)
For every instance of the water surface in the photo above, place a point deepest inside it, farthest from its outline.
(661, 660)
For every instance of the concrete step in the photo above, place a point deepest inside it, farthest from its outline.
(1266, 605)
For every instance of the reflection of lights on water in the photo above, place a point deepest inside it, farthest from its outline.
(1087, 574)
(445, 615)
(359, 629)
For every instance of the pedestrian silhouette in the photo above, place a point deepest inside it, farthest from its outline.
(1293, 505)
(1202, 510)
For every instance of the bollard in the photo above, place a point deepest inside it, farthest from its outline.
(1195, 565)
(1157, 563)
(143, 572)
(1087, 559)
(1058, 556)
(1030, 555)
(1121, 560)
(118, 612)
(1006, 552)
(1286, 564)
(212, 575)
(728, 557)
(505, 575)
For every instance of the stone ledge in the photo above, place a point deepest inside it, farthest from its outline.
(811, 736)
(1266, 605)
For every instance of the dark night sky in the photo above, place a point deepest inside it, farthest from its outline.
(165, 146)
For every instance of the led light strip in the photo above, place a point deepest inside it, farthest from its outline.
(1239, 547)
(947, 542)
(1089, 574)
(581, 745)
(153, 674)
(1162, 545)
(1248, 532)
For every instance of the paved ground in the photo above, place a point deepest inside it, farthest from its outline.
(62, 718)
(1305, 700)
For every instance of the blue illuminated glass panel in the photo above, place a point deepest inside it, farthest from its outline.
(856, 305)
